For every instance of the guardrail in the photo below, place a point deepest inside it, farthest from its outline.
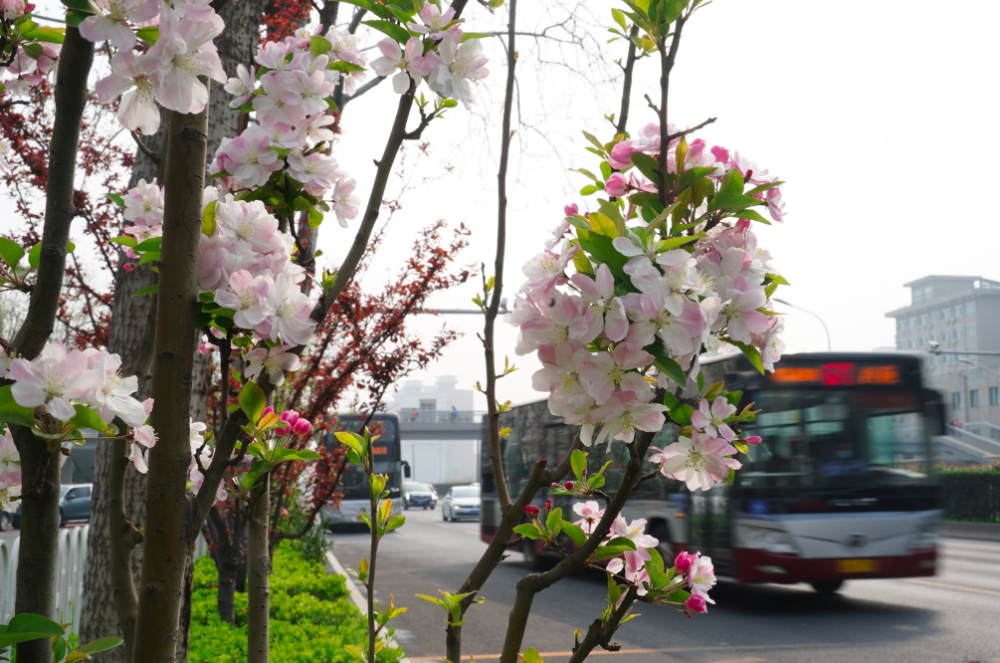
(984, 444)
(412, 416)
(69, 579)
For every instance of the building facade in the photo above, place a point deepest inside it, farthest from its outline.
(957, 314)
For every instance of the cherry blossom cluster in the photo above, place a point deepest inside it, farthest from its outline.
(626, 299)
(10, 470)
(290, 95)
(180, 34)
(33, 52)
(64, 380)
(450, 65)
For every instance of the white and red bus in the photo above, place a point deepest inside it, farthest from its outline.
(841, 487)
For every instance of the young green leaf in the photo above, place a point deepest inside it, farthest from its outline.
(578, 461)
(252, 401)
(10, 252)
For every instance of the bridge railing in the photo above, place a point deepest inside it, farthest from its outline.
(414, 416)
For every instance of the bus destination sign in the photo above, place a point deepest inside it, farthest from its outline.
(842, 374)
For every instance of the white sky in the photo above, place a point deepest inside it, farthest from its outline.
(879, 119)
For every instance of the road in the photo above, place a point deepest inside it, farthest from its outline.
(954, 616)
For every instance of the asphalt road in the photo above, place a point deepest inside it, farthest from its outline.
(954, 616)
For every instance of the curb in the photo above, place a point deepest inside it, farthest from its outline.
(972, 531)
(359, 598)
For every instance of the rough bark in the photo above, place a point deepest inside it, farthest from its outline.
(40, 467)
(259, 566)
(126, 537)
(39, 554)
(164, 559)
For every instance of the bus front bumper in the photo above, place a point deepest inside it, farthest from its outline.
(761, 566)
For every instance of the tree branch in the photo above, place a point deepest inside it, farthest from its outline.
(627, 82)
(601, 634)
(150, 154)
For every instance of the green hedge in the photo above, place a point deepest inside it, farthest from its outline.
(312, 617)
(971, 494)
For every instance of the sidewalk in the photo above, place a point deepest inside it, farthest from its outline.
(974, 531)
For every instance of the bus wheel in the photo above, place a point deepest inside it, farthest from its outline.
(532, 559)
(827, 586)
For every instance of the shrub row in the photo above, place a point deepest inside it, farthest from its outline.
(312, 617)
(971, 494)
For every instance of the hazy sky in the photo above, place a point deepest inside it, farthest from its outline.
(880, 119)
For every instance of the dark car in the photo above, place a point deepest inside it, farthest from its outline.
(74, 503)
(419, 494)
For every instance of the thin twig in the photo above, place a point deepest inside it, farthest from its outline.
(150, 154)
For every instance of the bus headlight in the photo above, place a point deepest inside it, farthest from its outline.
(772, 540)
(926, 538)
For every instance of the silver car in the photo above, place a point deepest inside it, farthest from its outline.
(461, 502)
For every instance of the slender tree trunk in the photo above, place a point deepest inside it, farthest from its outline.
(167, 536)
(39, 554)
(126, 537)
(259, 564)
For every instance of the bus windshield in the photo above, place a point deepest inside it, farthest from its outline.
(831, 438)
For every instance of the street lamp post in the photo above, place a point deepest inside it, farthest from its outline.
(782, 301)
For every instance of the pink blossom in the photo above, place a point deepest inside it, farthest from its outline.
(743, 318)
(590, 513)
(435, 23)
(617, 185)
(621, 416)
(700, 460)
(242, 86)
(455, 67)
(275, 360)
(713, 421)
(185, 51)
(290, 321)
(343, 202)
(753, 440)
(568, 318)
(12, 9)
(302, 427)
(316, 169)
(251, 158)
(684, 561)
(606, 371)
(599, 293)
(247, 295)
(110, 24)
(136, 80)
(54, 379)
(144, 201)
(146, 437)
(248, 225)
(696, 603)
(571, 210)
(10, 461)
(701, 577)
(409, 65)
(547, 269)
(310, 90)
(113, 395)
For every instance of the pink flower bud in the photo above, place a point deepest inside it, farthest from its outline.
(30, 7)
(268, 410)
(684, 561)
(753, 440)
(554, 485)
(571, 210)
(568, 485)
(696, 603)
(129, 266)
(584, 471)
(621, 154)
(547, 506)
(616, 185)
(531, 511)
(284, 431)
(289, 417)
(302, 427)
(205, 349)
(217, 333)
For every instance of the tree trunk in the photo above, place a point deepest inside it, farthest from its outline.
(167, 536)
(39, 554)
(259, 563)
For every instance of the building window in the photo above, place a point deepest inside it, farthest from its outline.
(995, 433)
(428, 404)
(958, 333)
(970, 330)
(956, 400)
(934, 315)
(970, 307)
(974, 398)
(946, 313)
(994, 396)
(946, 336)
(958, 311)
(923, 319)
(928, 293)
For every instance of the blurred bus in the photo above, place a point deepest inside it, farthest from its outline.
(353, 483)
(841, 486)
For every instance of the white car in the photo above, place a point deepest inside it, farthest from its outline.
(461, 502)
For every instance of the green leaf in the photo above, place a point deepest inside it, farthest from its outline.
(48, 34)
(763, 187)
(208, 219)
(646, 164)
(619, 18)
(99, 645)
(33, 51)
(601, 248)
(590, 189)
(345, 66)
(252, 401)
(148, 290)
(574, 532)
(670, 400)
(320, 45)
(578, 461)
(28, 622)
(397, 32)
(315, 218)
(732, 202)
(8, 639)
(622, 542)
(531, 655)
(475, 35)
(124, 241)
(394, 523)
(149, 34)
(596, 481)
(741, 446)
(750, 353)
(10, 252)
(87, 418)
(74, 18)
(674, 242)
(149, 256)
(529, 530)
(753, 215)
(689, 176)
(672, 369)
(151, 244)
(553, 520)
(12, 413)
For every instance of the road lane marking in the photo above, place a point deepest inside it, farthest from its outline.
(669, 650)
(945, 585)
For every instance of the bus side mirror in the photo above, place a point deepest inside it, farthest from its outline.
(406, 470)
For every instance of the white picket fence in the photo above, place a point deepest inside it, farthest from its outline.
(69, 581)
